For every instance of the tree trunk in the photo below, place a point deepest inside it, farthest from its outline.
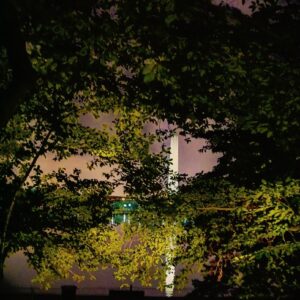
(2, 259)
(23, 74)
(3, 239)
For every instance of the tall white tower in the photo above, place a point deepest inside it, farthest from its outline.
(173, 185)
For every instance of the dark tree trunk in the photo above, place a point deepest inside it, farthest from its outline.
(2, 259)
(23, 73)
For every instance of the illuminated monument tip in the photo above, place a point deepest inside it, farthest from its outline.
(174, 167)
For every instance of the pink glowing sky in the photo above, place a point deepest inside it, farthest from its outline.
(191, 161)
(237, 4)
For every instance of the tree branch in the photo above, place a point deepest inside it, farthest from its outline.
(215, 208)
(16, 194)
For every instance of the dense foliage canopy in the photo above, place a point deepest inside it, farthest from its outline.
(217, 74)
